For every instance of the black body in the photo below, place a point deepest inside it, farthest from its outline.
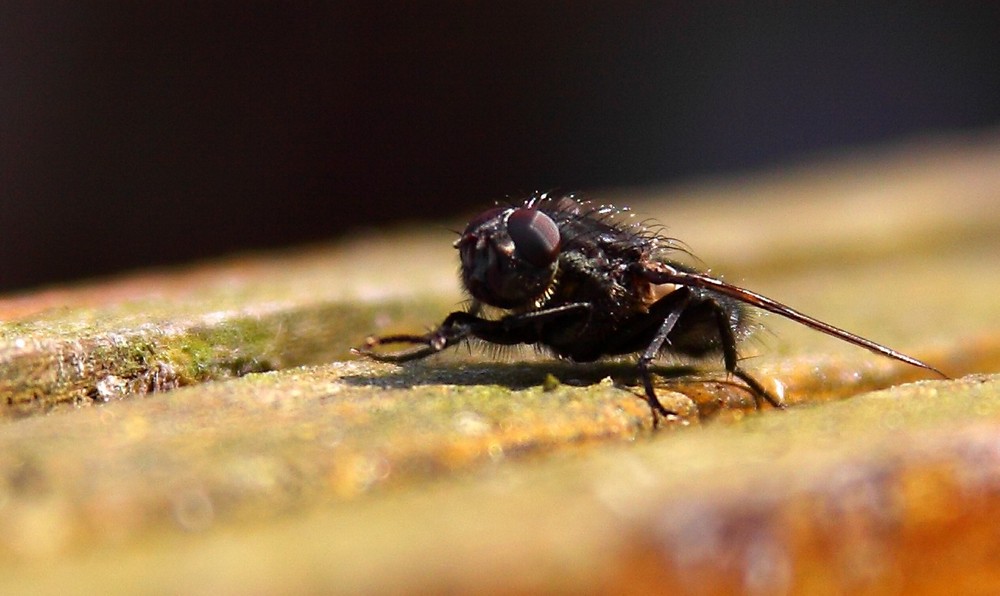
(584, 283)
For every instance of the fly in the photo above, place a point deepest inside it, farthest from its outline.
(582, 283)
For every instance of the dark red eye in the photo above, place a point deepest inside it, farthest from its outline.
(535, 236)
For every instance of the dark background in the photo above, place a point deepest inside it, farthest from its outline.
(135, 134)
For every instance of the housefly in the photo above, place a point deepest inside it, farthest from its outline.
(583, 282)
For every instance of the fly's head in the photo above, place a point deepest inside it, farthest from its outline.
(509, 256)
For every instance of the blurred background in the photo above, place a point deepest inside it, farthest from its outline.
(148, 133)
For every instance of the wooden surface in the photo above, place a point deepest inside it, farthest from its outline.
(207, 430)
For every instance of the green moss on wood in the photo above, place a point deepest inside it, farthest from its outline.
(95, 356)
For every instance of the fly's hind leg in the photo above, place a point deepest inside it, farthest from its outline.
(727, 338)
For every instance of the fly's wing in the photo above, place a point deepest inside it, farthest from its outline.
(662, 273)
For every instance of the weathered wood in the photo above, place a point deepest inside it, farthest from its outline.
(207, 429)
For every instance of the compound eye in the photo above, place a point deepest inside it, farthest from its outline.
(535, 236)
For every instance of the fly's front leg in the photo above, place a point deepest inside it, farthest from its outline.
(458, 326)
